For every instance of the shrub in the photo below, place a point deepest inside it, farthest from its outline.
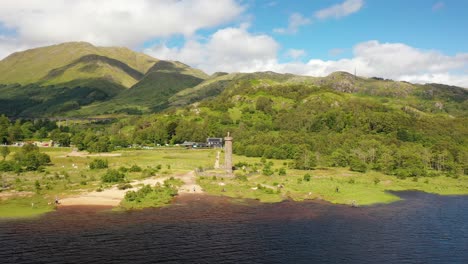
(99, 164)
(30, 157)
(241, 177)
(123, 169)
(135, 168)
(376, 180)
(37, 186)
(307, 177)
(357, 165)
(282, 171)
(113, 176)
(6, 166)
(124, 186)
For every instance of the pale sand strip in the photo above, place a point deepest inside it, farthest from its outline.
(113, 196)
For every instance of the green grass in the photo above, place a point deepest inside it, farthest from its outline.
(21, 207)
(159, 196)
(62, 179)
(362, 188)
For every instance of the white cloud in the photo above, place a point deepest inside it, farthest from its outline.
(295, 53)
(296, 20)
(111, 22)
(229, 49)
(9, 45)
(237, 50)
(396, 61)
(346, 8)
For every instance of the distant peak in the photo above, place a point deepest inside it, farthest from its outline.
(340, 73)
(75, 43)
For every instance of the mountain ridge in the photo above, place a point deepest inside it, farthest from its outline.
(92, 81)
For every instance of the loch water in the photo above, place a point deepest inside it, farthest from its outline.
(421, 228)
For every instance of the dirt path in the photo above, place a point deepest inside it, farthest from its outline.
(85, 154)
(190, 185)
(113, 196)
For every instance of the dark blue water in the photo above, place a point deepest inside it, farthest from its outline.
(422, 228)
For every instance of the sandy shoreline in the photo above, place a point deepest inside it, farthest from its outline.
(113, 196)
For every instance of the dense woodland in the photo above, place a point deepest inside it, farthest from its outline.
(407, 136)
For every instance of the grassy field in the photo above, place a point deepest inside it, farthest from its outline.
(336, 185)
(70, 175)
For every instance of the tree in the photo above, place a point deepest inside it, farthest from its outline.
(4, 124)
(264, 104)
(339, 158)
(4, 151)
(305, 159)
(30, 157)
(27, 129)
(15, 133)
(358, 165)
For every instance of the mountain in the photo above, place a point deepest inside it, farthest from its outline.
(79, 79)
(63, 63)
(65, 79)
(340, 120)
(150, 94)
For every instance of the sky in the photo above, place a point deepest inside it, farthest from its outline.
(420, 41)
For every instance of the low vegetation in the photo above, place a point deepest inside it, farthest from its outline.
(339, 138)
(156, 196)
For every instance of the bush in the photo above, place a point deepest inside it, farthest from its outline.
(376, 180)
(113, 176)
(357, 165)
(135, 168)
(282, 172)
(307, 177)
(123, 169)
(30, 157)
(99, 164)
(241, 177)
(124, 186)
(6, 166)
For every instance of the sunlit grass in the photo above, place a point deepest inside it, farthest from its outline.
(68, 176)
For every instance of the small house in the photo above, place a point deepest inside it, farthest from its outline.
(214, 142)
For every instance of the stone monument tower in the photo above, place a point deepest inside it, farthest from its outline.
(228, 153)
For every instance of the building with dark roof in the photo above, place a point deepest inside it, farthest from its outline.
(214, 142)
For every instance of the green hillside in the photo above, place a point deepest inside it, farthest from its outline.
(151, 93)
(70, 61)
(412, 131)
(83, 80)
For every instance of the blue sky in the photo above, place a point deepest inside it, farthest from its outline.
(414, 23)
(419, 40)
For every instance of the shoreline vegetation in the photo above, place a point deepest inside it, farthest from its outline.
(135, 179)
